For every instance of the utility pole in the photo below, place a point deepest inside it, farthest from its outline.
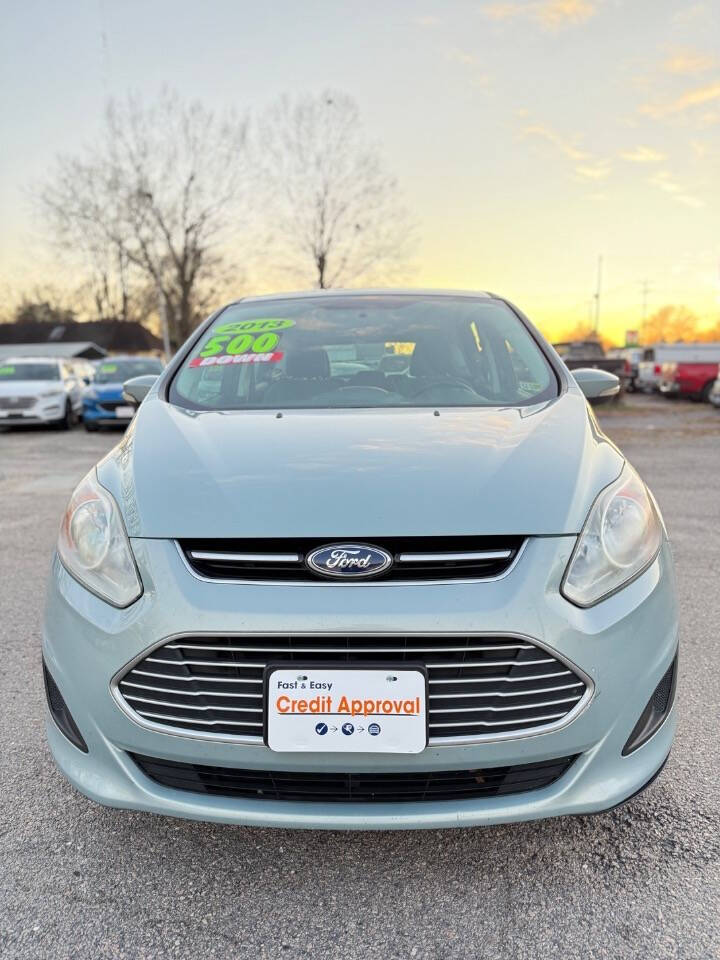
(646, 288)
(597, 295)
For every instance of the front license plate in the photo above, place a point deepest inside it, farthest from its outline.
(124, 413)
(338, 710)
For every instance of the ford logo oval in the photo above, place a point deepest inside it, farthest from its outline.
(350, 561)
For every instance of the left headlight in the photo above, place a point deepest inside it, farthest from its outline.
(94, 547)
(620, 539)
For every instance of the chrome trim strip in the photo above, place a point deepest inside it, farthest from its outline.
(539, 676)
(448, 741)
(217, 693)
(271, 650)
(437, 666)
(441, 557)
(336, 584)
(246, 557)
(496, 723)
(190, 706)
(543, 703)
(510, 693)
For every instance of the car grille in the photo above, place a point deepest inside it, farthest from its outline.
(407, 786)
(17, 403)
(479, 686)
(415, 558)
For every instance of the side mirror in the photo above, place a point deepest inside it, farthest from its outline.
(596, 383)
(136, 389)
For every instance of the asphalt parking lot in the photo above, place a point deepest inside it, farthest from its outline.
(79, 880)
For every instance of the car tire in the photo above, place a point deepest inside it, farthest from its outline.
(706, 391)
(90, 426)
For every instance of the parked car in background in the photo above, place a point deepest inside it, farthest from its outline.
(45, 392)
(632, 357)
(692, 373)
(103, 403)
(650, 369)
(296, 597)
(714, 397)
(581, 354)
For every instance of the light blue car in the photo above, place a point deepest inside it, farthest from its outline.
(363, 560)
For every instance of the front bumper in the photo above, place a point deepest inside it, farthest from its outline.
(39, 413)
(624, 644)
(95, 413)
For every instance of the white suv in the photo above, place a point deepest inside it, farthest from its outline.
(39, 391)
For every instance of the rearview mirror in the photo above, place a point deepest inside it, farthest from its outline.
(596, 383)
(136, 389)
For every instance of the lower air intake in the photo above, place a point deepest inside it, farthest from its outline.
(401, 787)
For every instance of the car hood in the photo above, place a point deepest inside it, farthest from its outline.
(360, 473)
(28, 388)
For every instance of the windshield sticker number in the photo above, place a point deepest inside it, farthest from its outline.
(7, 371)
(243, 341)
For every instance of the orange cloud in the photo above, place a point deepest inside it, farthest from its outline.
(549, 13)
(688, 63)
(643, 155)
(692, 98)
(563, 145)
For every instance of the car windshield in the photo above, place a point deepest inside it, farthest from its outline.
(364, 351)
(116, 371)
(28, 371)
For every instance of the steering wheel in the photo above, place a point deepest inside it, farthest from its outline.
(446, 382)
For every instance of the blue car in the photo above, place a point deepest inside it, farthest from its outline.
(103, 402)
(363, 560)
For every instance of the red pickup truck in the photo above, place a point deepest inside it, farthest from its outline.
(686, 379)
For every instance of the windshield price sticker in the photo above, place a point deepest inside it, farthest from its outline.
(242, 341)
(312, 710)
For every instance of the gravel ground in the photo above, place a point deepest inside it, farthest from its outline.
(79, 880)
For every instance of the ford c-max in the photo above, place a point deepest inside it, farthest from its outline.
(363, 560)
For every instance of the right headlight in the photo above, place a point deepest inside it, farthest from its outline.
(620, 539)
(94, 547)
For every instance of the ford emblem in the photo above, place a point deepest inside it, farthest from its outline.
(351, 561)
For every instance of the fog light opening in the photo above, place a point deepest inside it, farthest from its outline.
(657, 709)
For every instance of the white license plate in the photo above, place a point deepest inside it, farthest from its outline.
(124, 413)
(335, 710)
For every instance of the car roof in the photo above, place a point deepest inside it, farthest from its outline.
(371, 291)
(34, 360)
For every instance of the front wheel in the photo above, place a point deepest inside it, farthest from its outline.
(90, 426)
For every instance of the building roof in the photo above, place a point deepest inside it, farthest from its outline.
(115, 336)
(65, 351)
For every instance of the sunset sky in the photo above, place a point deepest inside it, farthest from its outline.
(529, 136)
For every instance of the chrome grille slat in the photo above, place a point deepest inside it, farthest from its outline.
(167, 676)
(186, 706)
(520, 706)
(496, 685)
(205, 723)
(415, 559)
(512, 693)
(500, 723)
(186, 693)
(474, 649)
(261, 666)
(539, 676)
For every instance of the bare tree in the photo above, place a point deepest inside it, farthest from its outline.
(336, 214)
(158, 201)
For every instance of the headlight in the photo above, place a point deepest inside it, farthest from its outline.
(94, 547)
(90, 394)
(53, 393)
(620, 539)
